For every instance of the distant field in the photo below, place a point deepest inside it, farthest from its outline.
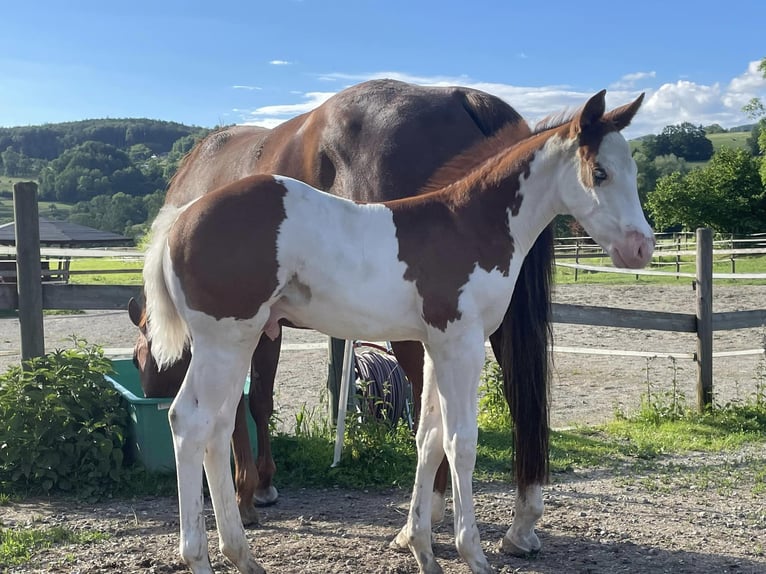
(44, 208)
(735, 140)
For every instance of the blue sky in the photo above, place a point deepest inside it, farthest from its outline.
(263, 61)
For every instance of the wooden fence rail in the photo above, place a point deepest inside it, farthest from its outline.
(70, 297)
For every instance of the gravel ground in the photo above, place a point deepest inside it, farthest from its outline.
(685, 514)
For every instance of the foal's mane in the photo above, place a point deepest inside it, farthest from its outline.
(492, 150)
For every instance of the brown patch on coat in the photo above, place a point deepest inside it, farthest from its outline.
(224, 247)
(444, 235)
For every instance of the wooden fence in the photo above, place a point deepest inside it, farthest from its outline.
(30, 296)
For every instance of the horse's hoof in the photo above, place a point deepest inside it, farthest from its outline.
(249, 516)
(399, 543)
(254, 568)
(438, 507)
(508, 546)
(266, 497)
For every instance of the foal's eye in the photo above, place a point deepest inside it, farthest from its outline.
(599, 174)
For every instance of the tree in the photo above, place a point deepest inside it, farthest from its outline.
(755, 109)
(753, 145)
(683, 140)
(91, 169)
(726, 195)
(650, 170)
(687, 141)
(714, 129)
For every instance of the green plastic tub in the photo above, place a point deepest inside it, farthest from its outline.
(149, 437)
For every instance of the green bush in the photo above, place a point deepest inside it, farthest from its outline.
(493, 408)
(62, 426)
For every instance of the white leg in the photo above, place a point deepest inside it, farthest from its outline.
(458, 369)
(231, 533)
(521, 538)
(201, 418)
(416, 534)
(190, 431)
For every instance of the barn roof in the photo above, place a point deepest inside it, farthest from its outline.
(64, 233)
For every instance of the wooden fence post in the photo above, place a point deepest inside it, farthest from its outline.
(704, 288)
(28, 269)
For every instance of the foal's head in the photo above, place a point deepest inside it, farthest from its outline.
(154, 382)
(602, 192)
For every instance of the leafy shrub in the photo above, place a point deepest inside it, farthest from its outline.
(62, 426)
(493, 408)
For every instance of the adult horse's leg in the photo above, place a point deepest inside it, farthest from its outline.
(409, 355)
(416, 533)
(521, 346)
(245, 471)
(202, 420)
(263, 371)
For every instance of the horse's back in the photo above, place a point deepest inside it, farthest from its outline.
(383, 139)
(375, 141)
(221, 157)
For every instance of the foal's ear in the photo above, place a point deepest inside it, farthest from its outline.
(622, 116)
(592, 111)
(134, 312)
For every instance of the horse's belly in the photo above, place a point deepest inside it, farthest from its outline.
(373, 318)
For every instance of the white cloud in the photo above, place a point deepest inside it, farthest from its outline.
(744, 87)
(249, 88)
(666, 104)
(280, 63)
(629, 80)
(271, 116)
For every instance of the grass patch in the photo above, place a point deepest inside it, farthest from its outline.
(97, 264)
(731, 140)
(18, 544)
(742, 264)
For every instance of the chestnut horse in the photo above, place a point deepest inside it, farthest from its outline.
(440, 267)
(379, 141)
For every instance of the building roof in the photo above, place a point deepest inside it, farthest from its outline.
(64, 233)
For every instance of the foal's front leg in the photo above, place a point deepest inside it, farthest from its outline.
(410, 355)
(458, 370)
(416, 534)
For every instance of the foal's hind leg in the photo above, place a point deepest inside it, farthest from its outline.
(409, 355)
(263, 371)
(201, 418)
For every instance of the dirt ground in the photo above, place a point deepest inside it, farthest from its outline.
(702, 514)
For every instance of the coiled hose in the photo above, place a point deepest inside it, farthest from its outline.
(385, 388)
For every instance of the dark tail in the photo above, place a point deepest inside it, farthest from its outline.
(521, 347)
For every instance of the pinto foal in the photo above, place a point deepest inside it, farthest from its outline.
(440, 267)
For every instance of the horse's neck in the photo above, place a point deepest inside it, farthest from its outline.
(539, 191)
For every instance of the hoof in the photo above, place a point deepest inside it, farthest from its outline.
(249, 515)
(266, 497)
(508, 546)
(438, 507)
(399, 543)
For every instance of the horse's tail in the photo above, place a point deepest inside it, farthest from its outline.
(521, 346)
(167, 330)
